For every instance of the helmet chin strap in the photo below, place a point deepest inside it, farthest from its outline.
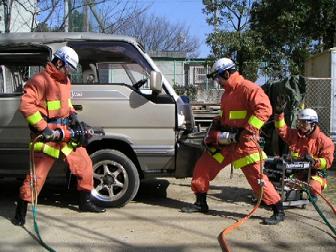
(312, 128)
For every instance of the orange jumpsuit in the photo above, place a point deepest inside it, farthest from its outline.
(48, 95)
(243, 105)
(317, 144)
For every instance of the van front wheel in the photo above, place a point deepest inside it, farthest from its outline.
(115, 177)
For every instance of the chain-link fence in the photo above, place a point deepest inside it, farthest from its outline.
(319, 97)
(211, 96)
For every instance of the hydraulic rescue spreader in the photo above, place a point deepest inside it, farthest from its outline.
(78, 133)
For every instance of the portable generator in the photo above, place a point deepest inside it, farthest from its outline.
(280, 171)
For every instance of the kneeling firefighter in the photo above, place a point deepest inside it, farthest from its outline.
(46, 105)
(307, 142)
(233, 138)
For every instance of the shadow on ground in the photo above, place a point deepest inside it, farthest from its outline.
(154, 192)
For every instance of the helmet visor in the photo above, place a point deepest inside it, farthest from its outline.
(301, 122)
(70, 69)
(213, 75)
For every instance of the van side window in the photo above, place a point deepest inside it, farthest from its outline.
(18, 66)
(110, 63)
(10, 80)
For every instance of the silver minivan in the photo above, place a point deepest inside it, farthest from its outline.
(117, 88)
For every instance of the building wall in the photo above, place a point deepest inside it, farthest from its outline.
(173, 70)
(319, 66)
(181, 71)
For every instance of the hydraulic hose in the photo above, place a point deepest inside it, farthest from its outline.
(34, 193)
(221, 237)
(307, 188)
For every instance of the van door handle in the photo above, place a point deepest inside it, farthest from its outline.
(78, 107)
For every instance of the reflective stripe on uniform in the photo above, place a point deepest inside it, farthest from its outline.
(54, 105)
(281, 123)
(323, 163)
(321, 181)
(295, 154)
(34, 118)
(70, 103)
(216, 155)
(46, 149)
(250, 159)
(255, 122)
(220, 113)
(38, 146)
(66, 150)
(51, 151)
(236, 115)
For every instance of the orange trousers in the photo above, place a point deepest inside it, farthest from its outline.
(207, 168)
(317, 186)
(79, 163)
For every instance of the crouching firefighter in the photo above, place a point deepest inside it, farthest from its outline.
(232, 139)
(47, 107)
(307, 142)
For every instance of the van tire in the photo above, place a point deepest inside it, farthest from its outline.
(115, 178)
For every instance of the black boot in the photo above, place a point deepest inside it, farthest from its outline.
(20, 213)
(199, 206)
(85, 204)
(278, 214)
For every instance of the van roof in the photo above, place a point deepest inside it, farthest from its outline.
(54, 37)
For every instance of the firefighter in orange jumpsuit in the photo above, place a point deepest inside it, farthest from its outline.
(233, 138)
(46, 105)
(307, 142)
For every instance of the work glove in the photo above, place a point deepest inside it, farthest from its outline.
(280, 104)
(73, 119)
(220, 138)
(245, 136)
(212, 138)
(50, 135)
(216, 123)
(310, 159)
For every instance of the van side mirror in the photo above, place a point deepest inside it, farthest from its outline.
(155, 81)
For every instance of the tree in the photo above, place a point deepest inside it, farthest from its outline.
(291, 31)
(232, 36)
(12, 14)
(106, 13)
(158, 34)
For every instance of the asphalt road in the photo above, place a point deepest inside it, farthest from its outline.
(153, 221)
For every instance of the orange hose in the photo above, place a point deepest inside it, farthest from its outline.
(300, 183)
(328, 202)
(221, 237)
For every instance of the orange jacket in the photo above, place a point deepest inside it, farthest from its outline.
(244, 104)
(47, 94)
(317, 144)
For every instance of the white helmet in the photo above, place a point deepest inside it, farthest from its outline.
(220, 66)
(68, 56)
(308, 115)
